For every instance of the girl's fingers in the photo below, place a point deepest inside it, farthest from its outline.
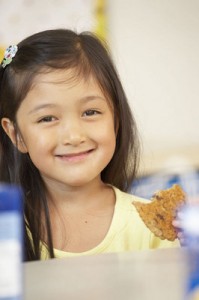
(180, 234)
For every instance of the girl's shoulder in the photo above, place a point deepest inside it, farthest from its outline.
(126, 199)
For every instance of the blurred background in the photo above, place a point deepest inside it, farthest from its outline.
(155, 46)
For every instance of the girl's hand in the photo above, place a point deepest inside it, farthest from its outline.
(180, 234)
(187, 220)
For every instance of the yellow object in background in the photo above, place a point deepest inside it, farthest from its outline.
(101, 19)
(2, 50)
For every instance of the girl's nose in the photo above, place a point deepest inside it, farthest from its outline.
(72, 133)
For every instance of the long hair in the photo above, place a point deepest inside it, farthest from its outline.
(43, 52)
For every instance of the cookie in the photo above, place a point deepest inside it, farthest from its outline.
(159, 214)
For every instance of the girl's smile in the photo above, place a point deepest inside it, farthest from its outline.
(75, 157)
(67, 127)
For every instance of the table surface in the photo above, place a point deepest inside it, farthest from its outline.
(153, 274)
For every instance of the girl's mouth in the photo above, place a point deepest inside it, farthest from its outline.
(74, 157)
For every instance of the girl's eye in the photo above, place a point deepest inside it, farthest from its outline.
(90, 112)
(47, 119)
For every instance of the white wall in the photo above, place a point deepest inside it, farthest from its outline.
(20, 18)
(155, 45)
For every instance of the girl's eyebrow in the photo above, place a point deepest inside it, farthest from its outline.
(93, 97)
(51, 105)
(39, 107)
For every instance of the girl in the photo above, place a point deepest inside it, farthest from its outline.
(69, 140)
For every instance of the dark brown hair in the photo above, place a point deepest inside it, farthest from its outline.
(43, 52)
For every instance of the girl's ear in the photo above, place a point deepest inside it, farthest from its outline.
(14, 136)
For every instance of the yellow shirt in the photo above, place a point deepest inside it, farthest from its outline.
(126, 233)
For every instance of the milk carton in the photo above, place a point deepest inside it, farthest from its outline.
(11, 243)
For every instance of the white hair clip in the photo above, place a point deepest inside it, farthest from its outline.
(9, 54)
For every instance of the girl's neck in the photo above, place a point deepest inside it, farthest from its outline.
(79, 198)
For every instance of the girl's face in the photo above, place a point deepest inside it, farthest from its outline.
(67, 127)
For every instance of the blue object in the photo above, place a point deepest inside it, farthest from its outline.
(146, 186)
(11, 242)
